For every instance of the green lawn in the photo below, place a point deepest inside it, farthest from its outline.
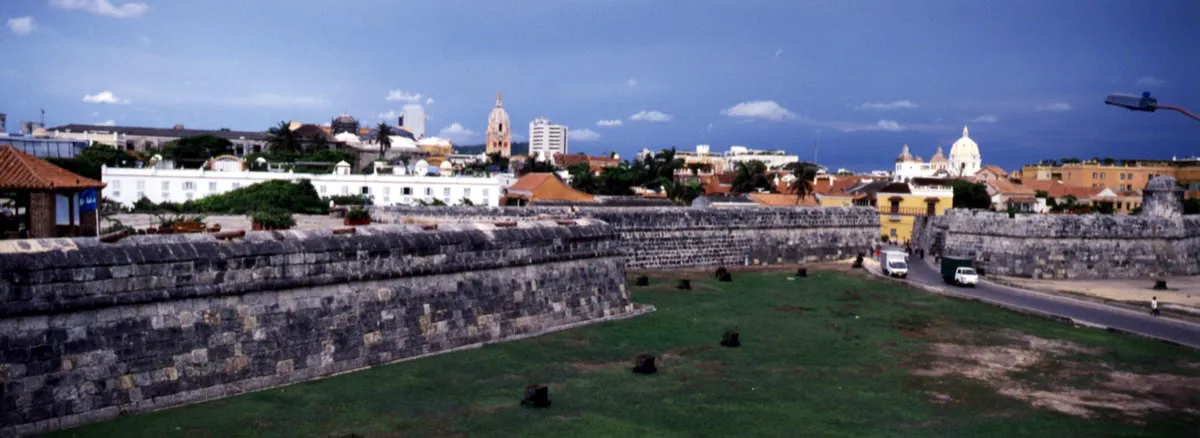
(834, 354)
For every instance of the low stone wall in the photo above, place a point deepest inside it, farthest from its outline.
(665, 237)
(1072, 246)
(89, 331)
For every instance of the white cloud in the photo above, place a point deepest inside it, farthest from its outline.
(760, 109)
(986, 118)
(882, 125)
(631, 82)
(104, 97)
(777, 53)
(1057, 106)
(107, 123)
(391, 114)
(103, 7)
(651, 116)
(22, 26)
(401, 95)
(583, 135)
(1150, 81)
(429, 101)
(457, 133)
(897, 104)
(610, 123)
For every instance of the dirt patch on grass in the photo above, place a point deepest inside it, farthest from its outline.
(1131, 394)
(681, 352)
(588, 367)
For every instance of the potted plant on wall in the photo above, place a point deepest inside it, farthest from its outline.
(272, 220)
(357, 216)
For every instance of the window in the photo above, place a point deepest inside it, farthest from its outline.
(406, 191)
(322, 189)
(345, 190)
(212, 187)
(366, 190)
(237, 186)
(467, 192)
(446, 192)
(116, 185)
(485, 195)
(1101, 175)
(1122, 176)
(189, 186)
(141, 185)
(141, 195)
(387, 191)
(429, 191)
(166, 185)
(1093, 175)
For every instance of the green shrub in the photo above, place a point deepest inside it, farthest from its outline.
(357, 214)
(297, 197)
(171, 220)
(144, 205)
(349, 200)
(115, 226)
(274, 219)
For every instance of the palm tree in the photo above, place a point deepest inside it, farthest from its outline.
(385, 138)
(750, 176)
(805, 174)
(281, 138)
(681, 192)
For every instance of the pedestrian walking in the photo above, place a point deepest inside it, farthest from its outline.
(1154, 306)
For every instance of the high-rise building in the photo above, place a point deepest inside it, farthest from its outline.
(546, 139)
(414, 120)
(499, 133)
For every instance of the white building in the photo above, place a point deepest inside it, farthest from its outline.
(964, 156)
(414, 120)
(546, 139)
(773, 159)
(910, 166)
(127, 185)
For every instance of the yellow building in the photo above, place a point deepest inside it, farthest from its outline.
(900, 203)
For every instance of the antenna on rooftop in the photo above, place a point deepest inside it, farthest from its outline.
(816, 145)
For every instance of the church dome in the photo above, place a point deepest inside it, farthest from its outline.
(904, 156)
(938, 157)
(345, 118)
(965, 148)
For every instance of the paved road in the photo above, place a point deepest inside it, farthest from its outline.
(1084, 312)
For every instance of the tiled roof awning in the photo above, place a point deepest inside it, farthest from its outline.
(22, 171)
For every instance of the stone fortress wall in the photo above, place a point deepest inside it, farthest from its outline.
(670, 237)
(92, 330)
(1158, 242)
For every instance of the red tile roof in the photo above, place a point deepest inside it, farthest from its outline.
(22, 171)
(546, 187)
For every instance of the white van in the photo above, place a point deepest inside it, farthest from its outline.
(894, 263)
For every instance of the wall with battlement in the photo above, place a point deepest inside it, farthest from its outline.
(1068, 246)
(90, 330)
(665, 237)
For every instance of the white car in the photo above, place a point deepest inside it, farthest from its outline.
(966, 276)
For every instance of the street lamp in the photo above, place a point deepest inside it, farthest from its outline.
(1144, 103)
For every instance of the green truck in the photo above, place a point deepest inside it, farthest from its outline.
(959, 271)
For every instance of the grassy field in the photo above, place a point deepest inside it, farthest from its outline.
(835, 354)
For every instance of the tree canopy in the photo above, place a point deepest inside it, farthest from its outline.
(805, 174)
(750, 177)
(969, 194)
(88, 162)
(197, 148)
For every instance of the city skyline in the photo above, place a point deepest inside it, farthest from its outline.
(1028, 78)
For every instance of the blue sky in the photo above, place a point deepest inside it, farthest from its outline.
(1028, 77)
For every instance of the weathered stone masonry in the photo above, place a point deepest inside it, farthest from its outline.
(91, 330)
(664, 237)
(1068, 246)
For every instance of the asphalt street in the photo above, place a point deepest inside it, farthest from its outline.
(1083, 312)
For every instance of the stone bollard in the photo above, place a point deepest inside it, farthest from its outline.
(537, 396)
(720, 271)
(644, 364)
(684, 285)
(725, 277)
(802, 272)
(642, 280)
(1160, 284)
(730, 338)
(858, 261)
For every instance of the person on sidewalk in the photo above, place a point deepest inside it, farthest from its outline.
(1154, 306)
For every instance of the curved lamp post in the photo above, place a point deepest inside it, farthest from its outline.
(1144, 103)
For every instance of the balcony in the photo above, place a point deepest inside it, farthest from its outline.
(904, 211)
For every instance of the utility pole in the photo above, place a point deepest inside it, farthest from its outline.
(816, 146)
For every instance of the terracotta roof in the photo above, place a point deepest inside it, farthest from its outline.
(783, 200)
(1009, 188)
(994, 169)
(22, 171)
(1056, 189)
(546, 187)
(837, 187)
